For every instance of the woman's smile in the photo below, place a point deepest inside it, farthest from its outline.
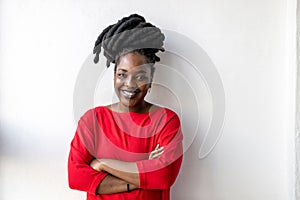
(132, 81)
(129, 94)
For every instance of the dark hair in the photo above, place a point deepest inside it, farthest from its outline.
(130, 34)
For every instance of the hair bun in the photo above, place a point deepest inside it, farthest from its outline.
(129, 34)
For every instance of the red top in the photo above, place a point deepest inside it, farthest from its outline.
(103, 133)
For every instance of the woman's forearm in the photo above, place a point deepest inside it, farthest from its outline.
(111, 185)
(126, 171)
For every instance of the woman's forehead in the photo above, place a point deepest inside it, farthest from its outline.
(133, 58)
(133, 62)
(144, 68)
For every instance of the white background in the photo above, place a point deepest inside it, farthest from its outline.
(44, 43)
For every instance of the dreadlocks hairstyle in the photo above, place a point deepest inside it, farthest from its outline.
(130, 34)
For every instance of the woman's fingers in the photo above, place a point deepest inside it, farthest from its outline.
(155, 156)
(156, 153)
(158, 150)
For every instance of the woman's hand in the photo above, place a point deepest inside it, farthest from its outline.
(156, 153)
(96, 165)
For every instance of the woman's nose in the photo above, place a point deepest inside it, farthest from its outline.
(130, 82)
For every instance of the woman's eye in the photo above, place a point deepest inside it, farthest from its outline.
(141, 78)
(120, 75)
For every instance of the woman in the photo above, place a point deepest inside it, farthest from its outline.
(131, 149)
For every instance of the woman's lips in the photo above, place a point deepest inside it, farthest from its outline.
(129, 94)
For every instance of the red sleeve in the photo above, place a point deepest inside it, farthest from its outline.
(161, 173)
(81, 176)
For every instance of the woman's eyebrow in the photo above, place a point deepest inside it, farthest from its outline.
(124, 70)
(137, 72)
(141, 71)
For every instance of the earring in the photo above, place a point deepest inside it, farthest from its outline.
(149, 90)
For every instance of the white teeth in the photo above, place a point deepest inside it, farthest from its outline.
(128, 94)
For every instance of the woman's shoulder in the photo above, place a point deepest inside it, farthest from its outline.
(154, 109)
(103, 110)
(114, 108)
(166, 113)
(167, 110)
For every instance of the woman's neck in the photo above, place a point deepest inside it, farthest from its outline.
(142, 108)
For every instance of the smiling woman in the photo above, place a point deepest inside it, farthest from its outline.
(132, 80)
(131, 149)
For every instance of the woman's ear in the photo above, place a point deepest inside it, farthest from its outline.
(149, 89)
(150, 83)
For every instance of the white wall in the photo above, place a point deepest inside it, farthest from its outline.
(44, 43)
(297, 123)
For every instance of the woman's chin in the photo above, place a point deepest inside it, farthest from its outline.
(128, 103)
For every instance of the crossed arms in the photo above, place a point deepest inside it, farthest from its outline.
(109, 176)
(123, 176)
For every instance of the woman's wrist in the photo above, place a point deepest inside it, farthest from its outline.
(97, 165)
(130, 187)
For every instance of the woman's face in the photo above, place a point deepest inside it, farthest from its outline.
(132, 80)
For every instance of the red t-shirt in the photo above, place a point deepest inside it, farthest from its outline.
(130, 137)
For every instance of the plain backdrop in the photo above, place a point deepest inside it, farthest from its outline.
(44, 44)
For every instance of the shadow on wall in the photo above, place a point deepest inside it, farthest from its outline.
(185, 80)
